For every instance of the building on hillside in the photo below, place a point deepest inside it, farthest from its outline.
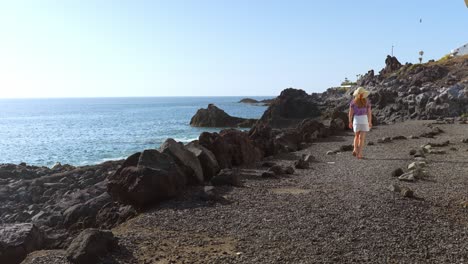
(463, 50)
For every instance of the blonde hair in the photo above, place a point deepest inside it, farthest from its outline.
(360, 101)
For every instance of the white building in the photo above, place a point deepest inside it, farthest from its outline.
(463, 50)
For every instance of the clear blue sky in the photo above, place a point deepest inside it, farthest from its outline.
(212, 47)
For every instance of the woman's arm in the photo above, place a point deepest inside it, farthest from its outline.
(369, 116)
(350, 117)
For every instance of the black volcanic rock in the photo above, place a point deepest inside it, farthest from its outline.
(231, 147)
(412, 91)
(213, 116)
(156, 177)
(289, 109)
(90, 245)
(17, 240)
(391, 65)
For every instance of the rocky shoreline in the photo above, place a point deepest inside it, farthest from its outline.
(54, 208)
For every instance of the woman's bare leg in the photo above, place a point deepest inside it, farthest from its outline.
(356, 143)
(362, 139)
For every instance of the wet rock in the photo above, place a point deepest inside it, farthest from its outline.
(90, 245)
(17, 240)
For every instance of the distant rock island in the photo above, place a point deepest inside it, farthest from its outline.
(253, 101)
(213, 116)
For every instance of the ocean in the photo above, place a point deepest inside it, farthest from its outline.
(85, 131)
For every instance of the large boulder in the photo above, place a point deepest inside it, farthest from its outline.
(213, 116)
(17, 240)
(289, 109)
(206, 158)
(185, 159)
(391, 65)
(90, 245)
(231, 147)
(85, 213)
(153, 178)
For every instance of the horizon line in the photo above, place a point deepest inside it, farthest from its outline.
(153, 96)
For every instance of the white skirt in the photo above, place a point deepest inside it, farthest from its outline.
(361, 123)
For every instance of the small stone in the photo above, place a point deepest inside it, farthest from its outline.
(413, 137)
(277, 170)
(465, 140)
(308, 158)
(399, 137)
(407, 192)
(416, 164)
(394, 188)
(464, 204)
(289, 170)
(420, 154)
(426, 148)
(371, 143)
(398, 172)
(384, 140)
(453, 149)
(422, 159)
(268, 174)
(437, 151)
(412, 152)
(409, 176)
(268, 164)
(331, 152)
(346, 148)
(90, 245)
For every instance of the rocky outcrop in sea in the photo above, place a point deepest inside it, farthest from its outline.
(213, 116)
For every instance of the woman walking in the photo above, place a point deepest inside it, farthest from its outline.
(360, 119)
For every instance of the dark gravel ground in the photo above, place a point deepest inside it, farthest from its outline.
(339, 211)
